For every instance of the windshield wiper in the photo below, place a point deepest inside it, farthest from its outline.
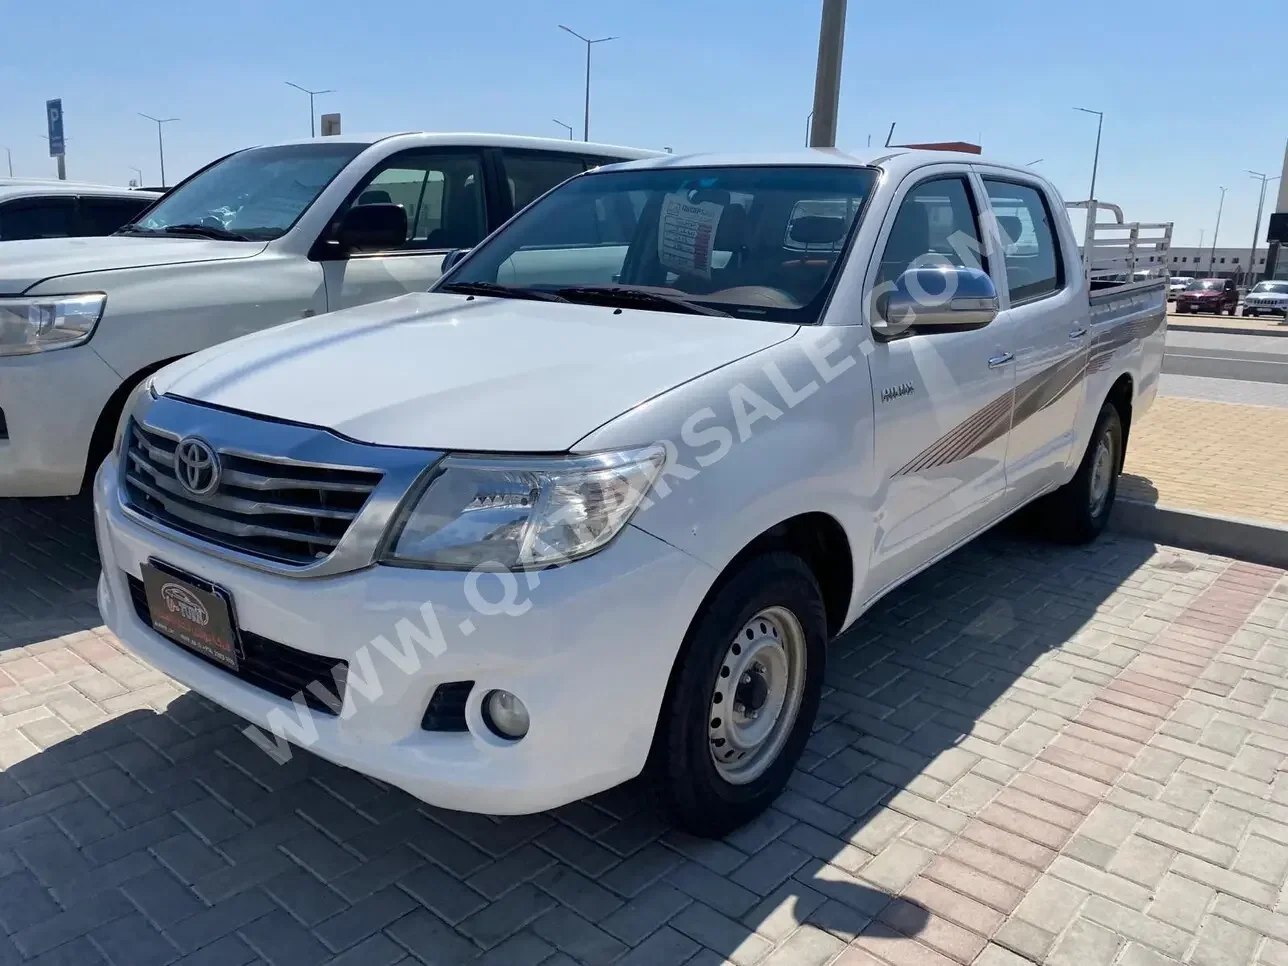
(204, 231)
(617, 295)
(501, 291)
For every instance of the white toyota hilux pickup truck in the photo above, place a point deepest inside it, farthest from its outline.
(266, 235)
(594, 506)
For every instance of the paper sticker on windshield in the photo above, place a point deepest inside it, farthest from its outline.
(686, 234)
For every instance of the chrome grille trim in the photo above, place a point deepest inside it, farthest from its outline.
(295, 500)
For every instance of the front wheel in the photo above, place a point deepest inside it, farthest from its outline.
(742, 698)
(1079, 510)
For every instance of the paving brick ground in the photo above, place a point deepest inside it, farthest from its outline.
(1028, 755)
(1221, 458)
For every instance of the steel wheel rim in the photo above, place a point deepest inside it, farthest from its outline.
(757, 695)
(1102, 474)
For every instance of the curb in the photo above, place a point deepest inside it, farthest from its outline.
(1256, 541)
(1279, 330)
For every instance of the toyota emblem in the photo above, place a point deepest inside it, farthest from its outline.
(196, 466)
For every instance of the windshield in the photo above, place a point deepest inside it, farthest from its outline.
(1181, 280)
(756, 242)
(258, 194)
(1270, 288)
(1205, 285)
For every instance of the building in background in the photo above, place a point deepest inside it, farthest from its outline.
(1224, 263)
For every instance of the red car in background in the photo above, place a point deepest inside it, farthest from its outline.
(1208, 295)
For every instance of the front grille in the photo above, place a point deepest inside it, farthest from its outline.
(271, 666)
(288, 512)
(446, 711)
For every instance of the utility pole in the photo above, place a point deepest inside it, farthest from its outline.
(313, 130)
(1256, 230)
(589, 42)
(567, 127)
(827, 75)
(1095, 163)
(160, 140)
(1217, 230)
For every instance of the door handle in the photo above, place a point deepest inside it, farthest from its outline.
(1077, 333)
(998, 361)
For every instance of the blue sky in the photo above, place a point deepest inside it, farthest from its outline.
(690, 74)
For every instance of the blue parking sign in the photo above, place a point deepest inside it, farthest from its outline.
(54, 111)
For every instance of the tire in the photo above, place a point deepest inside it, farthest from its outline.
(690, 789)
(1074, 514)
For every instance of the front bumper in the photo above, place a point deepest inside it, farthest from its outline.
(51, 403)
(1267, 309)
(589, 650)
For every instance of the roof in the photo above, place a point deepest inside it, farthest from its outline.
(37, 188)
(482, 140)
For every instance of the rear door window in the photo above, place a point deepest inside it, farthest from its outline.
(530, 174)
(37, 218)
(1034, 265)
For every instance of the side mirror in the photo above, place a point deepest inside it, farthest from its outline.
(937, 299)
(451, 258)
(373, 228)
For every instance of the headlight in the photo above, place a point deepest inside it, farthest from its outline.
(43, 322)
(522, 512)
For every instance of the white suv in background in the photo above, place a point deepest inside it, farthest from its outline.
(32, 208)
(260, 237)
(1267, 298)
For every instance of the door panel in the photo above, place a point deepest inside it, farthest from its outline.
(943, 411)
(1047, 318)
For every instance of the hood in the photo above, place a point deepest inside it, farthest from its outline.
(444, 372)
(24, 263)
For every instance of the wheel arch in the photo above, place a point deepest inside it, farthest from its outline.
(1121, 396)
(105, 428)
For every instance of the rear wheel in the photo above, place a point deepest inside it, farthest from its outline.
(1079, 510)
(742, 698)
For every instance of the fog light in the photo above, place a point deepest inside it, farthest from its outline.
(505, 715)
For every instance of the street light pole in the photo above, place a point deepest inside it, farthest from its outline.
(1217, 230)
(1095, 163)
(809, 120)
(10, 154)
(1256, 229)
(589, 42)
(139, 172)
(567, 127)
(160, 141)
(313, 130)
(827, 75)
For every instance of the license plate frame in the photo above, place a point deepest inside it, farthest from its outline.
(193, 613)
